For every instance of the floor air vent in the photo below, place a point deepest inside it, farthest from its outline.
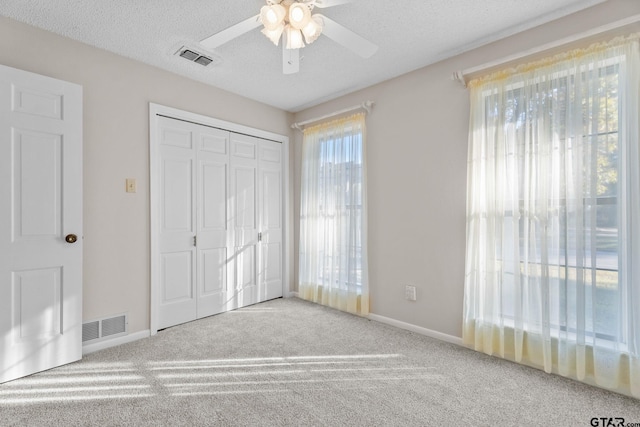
(198, 58)
(108, 327)
(90, 331)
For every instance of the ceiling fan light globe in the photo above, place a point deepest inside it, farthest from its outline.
(313, 29)
(296, 14)
(272, 16)
(274, 35)
(299, 15)
(294, 38)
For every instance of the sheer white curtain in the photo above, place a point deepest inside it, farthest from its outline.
(553, 215)
(333, 225)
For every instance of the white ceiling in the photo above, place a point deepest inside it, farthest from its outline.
(410, 34)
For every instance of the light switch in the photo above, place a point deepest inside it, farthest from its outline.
(131, 185)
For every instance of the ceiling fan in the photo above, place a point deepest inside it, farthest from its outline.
(293, 20)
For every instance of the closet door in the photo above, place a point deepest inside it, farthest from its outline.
(213, 239)
(177, 223)
(244, 218)
(219, 221)
(270, 246)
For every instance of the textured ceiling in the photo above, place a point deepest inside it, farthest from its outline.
(410, 34)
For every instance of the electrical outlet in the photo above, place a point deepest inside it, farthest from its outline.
(410, 293)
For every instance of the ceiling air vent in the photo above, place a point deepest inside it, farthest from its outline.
(203, 60)
(197, 57)
(189, 54)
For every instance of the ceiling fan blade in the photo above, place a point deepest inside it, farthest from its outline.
(290, 59)
(329, 3)
(224, 36)
(348, 38)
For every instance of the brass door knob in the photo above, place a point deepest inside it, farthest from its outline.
(71, 238)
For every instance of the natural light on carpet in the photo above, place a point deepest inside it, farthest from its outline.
(180, 378)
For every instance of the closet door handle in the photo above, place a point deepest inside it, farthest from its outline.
(71, 238)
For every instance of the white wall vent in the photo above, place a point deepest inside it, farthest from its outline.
(193, 55)
(108, 327)
(90, 331)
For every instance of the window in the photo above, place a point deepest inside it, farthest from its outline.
(551, 196)
(332, 216)
(596, 242)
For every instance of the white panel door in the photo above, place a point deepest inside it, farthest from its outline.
(40, 223)
(270, 246)
(214, 247)
(244, 218)
(213, 191)
(177, 223)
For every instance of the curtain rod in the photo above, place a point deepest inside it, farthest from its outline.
(364, 106)
(460, 75)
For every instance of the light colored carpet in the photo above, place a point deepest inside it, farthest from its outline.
(289, 363)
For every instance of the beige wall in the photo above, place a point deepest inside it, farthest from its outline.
(117, 92)
(417, 159)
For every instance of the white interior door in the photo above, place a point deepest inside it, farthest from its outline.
(177, 223)
(270, 246)
(214, 245)
(244, 217)
(195, 243)
(40, 223)
(217, 218)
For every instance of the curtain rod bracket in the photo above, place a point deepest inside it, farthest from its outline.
(367, 106)
(458, 76)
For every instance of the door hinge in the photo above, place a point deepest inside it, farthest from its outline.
(195, 240)
(259, 237)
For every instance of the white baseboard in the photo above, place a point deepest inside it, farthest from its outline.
(292, 294)
(91, 348)
(417, 329)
